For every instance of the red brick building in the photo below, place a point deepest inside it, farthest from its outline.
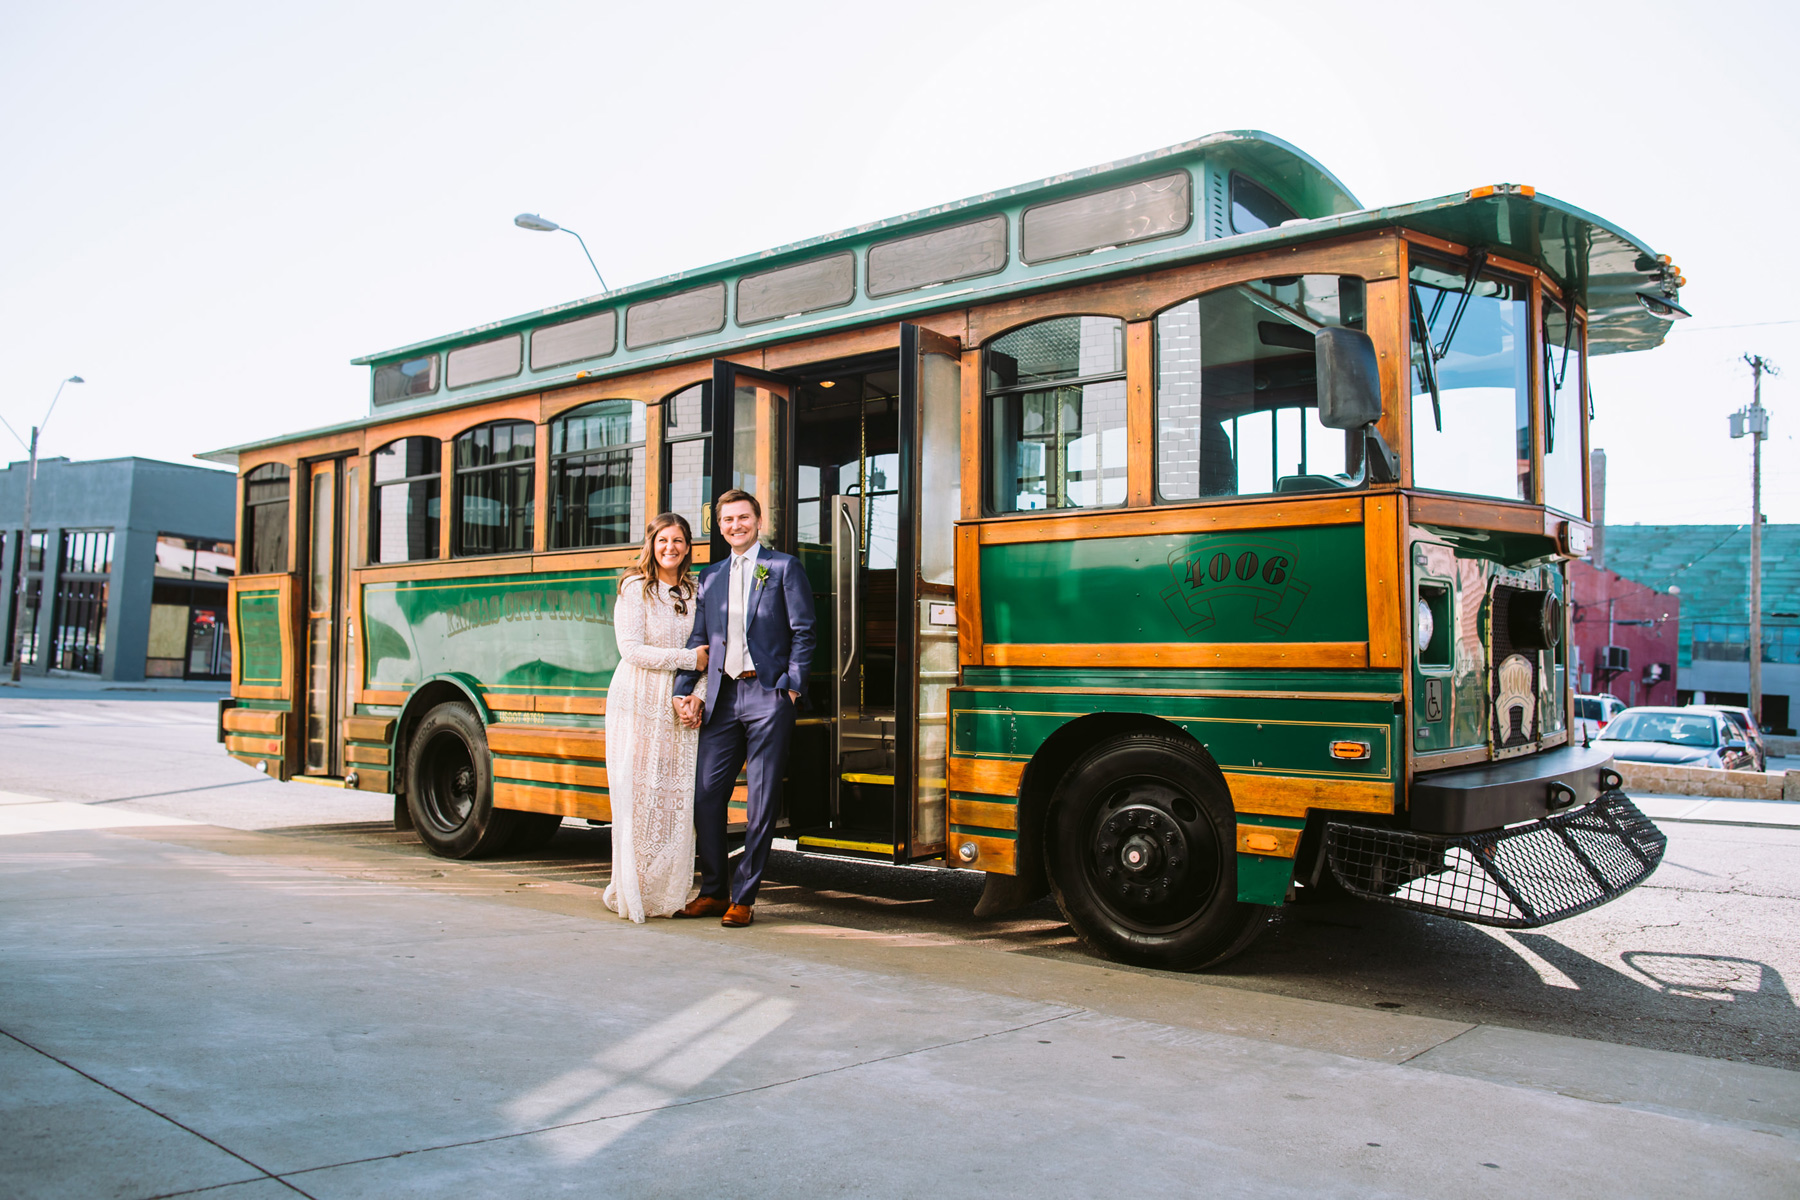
(1611, 610)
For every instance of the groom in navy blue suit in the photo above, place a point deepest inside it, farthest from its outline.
(756, 620)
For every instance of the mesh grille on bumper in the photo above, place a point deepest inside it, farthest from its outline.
(1518, 877)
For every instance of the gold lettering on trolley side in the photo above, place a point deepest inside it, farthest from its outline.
(547, 604)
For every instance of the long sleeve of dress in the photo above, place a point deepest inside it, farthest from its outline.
(629, 631)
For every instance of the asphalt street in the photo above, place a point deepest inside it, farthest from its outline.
(1701, 959)
(215, 984)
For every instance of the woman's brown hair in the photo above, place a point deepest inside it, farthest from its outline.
(645, 566)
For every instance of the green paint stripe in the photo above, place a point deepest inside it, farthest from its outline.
(266, 705)
(979, 831)
(551, 787)
(1271, 822)
(986, 798)
(509, 756)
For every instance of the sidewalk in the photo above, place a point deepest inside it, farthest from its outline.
(79, 687)
(1699, 810)
(265, 1011)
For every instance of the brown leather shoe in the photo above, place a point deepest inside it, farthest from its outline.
(705, 906)
(738, 916)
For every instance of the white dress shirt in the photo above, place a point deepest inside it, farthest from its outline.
(742, 583)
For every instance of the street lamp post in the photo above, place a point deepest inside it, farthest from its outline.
(23, 554)
(1753, 422)
(539, 224)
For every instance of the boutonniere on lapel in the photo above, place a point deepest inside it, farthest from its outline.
(762, 575)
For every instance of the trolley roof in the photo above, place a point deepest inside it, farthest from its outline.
(1171, 206)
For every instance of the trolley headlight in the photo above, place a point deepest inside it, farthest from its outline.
(1425, 626)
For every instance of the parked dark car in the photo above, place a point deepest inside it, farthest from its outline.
(1678, 737)
(1747, 724)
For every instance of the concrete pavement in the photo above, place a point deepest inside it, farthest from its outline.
(190, 1007)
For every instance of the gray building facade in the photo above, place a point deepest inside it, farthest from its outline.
(125, 572)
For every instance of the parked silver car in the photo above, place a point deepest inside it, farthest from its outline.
(1678, 737)
(1747, 724)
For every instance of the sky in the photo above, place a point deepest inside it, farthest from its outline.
(207, 210)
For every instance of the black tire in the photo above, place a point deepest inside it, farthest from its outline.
(450, 786)
(532, 831)
(1141, 851)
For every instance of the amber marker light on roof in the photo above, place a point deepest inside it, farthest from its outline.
(1350, 751)
(1502, 189)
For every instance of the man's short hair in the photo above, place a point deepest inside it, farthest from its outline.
(735, 495)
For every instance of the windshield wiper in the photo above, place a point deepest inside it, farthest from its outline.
(1477, 264)
(1422, 351)
(1554, 379)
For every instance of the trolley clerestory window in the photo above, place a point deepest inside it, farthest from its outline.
(493, 499)
(597, 475)
(405, 514)
(1056, 416)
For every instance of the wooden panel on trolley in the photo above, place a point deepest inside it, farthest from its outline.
(283, 587)
(1384, 578)
(240, 744)
(547, 743)
(1147, 522)
(372, 755)
(971, 433)
(255, 720)
(968, 595)
(987, 776)
(1296, 795)
(983, 813)
(1325, 655)
(996, 854)
(370, 779)
(1464, 513)
(369, 729)
(538, 771)
(587, 705)
(509, 702)
(1140, 413)
(525, 798)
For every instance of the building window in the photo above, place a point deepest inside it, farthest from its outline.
(494, 488)
(405, 513)
(1056, 415)
(1237, 396)
(597, 475)
(189, 619)
(82, 578)
(687, 456)
(266, 519)
(33, 566)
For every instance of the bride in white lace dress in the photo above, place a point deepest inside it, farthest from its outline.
(649, 753)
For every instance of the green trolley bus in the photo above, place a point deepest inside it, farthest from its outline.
(1183, 533)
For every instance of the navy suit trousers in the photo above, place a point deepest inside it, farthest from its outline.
(748, 721)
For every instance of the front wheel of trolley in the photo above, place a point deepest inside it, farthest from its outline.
(1142, 855)
(450, 786)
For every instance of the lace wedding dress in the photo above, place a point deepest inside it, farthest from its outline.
(650, 755)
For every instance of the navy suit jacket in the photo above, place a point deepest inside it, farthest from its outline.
(778, 627)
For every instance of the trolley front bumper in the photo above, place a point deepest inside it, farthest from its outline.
(1518, 877)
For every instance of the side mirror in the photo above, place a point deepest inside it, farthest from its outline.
(1349, 378)
(1350, 394)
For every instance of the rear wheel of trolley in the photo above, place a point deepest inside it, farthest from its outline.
(1142, 855)
(450, 786)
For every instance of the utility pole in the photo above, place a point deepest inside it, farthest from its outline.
(23, 556)
(1753, 422)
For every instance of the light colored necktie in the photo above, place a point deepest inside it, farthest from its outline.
(734, 619)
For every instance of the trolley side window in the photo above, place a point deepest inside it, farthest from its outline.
(687, 456)
(494, 478)
(1056, 416)
(405, 514)
(266, 519)
(597, 475)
